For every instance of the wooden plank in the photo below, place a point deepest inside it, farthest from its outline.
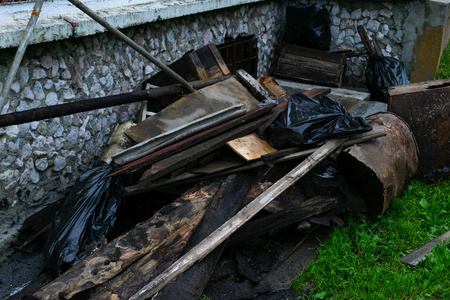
(365, 39)
(257, 89)
(194, 106)
(224, 231)
(311, 63)
(114, 257)
(197, 64)
(219, 60)
(251, 147)
(191, 141)
(272, 86)
(187, 156)
(312, 53)
(306, 75)
(415, 257)
(279, 220)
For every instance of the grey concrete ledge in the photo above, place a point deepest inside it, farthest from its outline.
(61, 20)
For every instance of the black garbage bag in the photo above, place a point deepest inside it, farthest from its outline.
(310, 122)
(308, 26)
(88, 213)
(383, 72)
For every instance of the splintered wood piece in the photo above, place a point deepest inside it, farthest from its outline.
(194, 106)
(258, 90)
(177, 219)
(197, 64)
(251, 147)
(219, 60)
(272, 86)
(224, 231)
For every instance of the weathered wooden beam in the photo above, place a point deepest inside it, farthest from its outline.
(257, 89)
(224, 231)
(177, 219)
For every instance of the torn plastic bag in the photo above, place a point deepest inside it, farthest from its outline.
(308, 26)
(310, 122)
(88, 213)
(383, 72)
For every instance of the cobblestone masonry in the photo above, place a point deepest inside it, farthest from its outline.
(39, 160)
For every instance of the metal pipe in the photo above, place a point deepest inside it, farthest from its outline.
(20, 52)
(65, 109)
(131, 43)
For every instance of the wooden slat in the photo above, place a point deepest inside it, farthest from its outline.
(220, 62)
(258, 90)
(251, 147)
(312, 53)
(312, 63)
(201, 72)
(306, 75)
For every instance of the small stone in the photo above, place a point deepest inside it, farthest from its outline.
(48, 84)
(26, 151)
(24, 75)
(346, 24)
(89, 72)
(46, 61)
(41, 164)
(379, 36)
(384, 29)
(27, 93)
(34, 125)
(373, 25)
(59, 164)
(39, 73)
(345, 14)
(38, 91)
(385, 12)
(335, 9)
(388, 48)
(374, 14)
(66, 74)
(62, 63)
(335, 21)
(68, 94)
(95, 88)
(18, 163)
(51, 99)
(356, 14)
(12, 131)
(6, 162)
(34, 176)
(366, 13)
(15, 87)
(8, 174)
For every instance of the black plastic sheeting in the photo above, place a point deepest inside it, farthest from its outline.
(308, 26)
(88, 213)
(310, 122)
(383, 72)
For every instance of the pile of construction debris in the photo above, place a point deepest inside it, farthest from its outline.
(238, 187)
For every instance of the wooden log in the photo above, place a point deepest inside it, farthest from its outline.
(177, 219)
(231, 199)
(224, 231)
(189, 142)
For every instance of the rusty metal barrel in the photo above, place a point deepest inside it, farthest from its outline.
(379, 170)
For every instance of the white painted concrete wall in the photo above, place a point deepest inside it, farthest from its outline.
(58, 16)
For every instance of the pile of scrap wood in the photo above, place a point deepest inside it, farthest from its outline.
(213, 139)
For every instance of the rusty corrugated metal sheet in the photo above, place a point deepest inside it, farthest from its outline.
(382, 168)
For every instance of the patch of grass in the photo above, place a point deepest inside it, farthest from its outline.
(444, 64)
(362, 260)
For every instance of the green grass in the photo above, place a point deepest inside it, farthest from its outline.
(444, 64)
(362, 260)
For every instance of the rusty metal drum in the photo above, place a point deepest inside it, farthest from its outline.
(382, 168)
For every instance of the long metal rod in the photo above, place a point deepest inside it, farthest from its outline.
(20, 53)
(65, 109)
(131, 43)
